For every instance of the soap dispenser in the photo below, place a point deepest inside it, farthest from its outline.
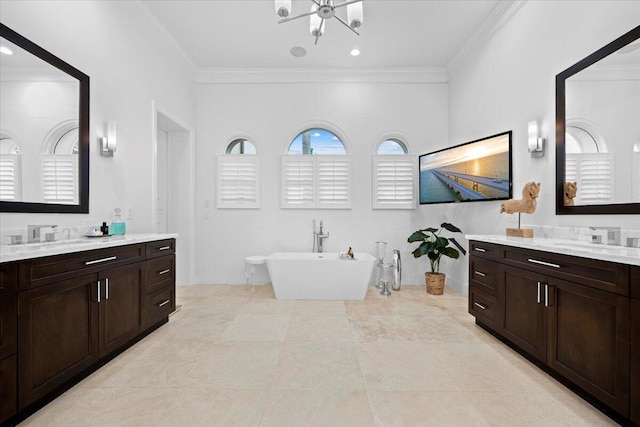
(118, 226)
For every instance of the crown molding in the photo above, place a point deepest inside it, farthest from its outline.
(320, 75)
(176, 50)
(497, 19)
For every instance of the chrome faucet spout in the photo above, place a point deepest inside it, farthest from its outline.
(612, 235)
(33, 232)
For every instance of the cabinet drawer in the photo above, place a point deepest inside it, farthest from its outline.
(42, 271)
(484, 274)
(8, 388)
(160, 272)
(485, 250)
(8, 277)
(159, 304)
(160, 248)
(8, 325)
(604, 275)
(483, 306)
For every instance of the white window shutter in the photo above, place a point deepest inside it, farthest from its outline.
(333, 182)
(394, 180)
(238, 182)
(60, 178)
(298, 181)
(10, 174)
(594, 174)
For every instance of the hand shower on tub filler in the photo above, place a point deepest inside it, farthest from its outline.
(318, 237)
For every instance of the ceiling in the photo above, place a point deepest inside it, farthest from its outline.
(402, 34)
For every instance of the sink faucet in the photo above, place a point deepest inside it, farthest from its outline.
(33, 232)
(612, 235)
(319, 236)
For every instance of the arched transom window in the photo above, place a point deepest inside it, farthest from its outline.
(394, 175)
(239, 176)
(316, 172)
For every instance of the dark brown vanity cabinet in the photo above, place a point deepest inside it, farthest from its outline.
(8, 339)
(58, 335)
(76, 311)
(570, 314)
(635, 345)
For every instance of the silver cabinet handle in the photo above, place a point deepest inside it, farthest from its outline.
(97, 261)
(480, 273)
(164, 248)
(163, 303)
(548, 264)
(479, 250)
(106, 296)
(538, 292)
(164, 271)
(480, 305)
(98, 291)
(546, 295)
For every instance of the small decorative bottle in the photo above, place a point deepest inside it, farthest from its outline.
(118, 226)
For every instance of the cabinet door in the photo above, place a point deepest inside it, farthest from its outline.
(588, 332)
(523, 319)
(119, 307)
(635, 361)
(57, 338)
(8, 387)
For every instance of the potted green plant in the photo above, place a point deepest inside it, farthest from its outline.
(434, 247)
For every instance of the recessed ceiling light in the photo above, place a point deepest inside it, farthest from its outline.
(298, 51)
(355, 52)
(6, 50)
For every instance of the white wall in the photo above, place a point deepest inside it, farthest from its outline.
(511, 80)
(273, 114)
(129, 67)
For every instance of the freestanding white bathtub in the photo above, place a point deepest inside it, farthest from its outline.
(319, 276)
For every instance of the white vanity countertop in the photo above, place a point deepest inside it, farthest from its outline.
(37, 250)
(620, 254)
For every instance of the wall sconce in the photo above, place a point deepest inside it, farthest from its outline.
(108, 143)
(536, 144)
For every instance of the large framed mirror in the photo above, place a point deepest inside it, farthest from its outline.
(44, 130)
(598, 131)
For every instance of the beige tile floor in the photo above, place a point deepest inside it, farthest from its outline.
(235, 358)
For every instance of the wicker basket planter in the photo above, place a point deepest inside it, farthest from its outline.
(435, 283)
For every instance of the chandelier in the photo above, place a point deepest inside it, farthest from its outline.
(321, 11)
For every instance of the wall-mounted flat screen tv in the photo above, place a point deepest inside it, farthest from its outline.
(475, 171)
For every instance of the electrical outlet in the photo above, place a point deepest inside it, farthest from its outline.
(130, 213)
(513, 218)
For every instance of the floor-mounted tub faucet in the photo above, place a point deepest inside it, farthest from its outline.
(319, 236)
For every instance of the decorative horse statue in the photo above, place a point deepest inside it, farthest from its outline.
(570, 190)
(525, 205)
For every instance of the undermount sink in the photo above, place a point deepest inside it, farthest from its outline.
(597, 248)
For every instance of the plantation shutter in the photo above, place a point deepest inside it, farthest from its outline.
(10, 173)
(394, 182)
(298, 181)
(333, 182)
(594, 174)
(316, 181)
(60, 178)
(238, 183)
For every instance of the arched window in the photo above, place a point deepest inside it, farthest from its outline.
(59, 164)
(317, 141)
(316, 172)
(393, 176)
(588, 162)
(239, 176)
(392, 146)
(241, 146)
(10, 168)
